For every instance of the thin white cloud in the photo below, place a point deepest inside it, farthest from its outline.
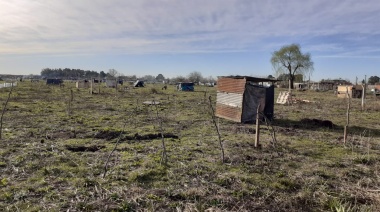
(145, 26)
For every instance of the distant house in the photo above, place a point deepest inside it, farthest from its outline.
(300, 86)
(82, 84)
(185, 86)
(238, 98)
(54, 81)
(8, 84)
(355, 91)
(324, 85)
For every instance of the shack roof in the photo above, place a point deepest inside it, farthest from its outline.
(250, 79)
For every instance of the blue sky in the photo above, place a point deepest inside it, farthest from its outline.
(175, 37)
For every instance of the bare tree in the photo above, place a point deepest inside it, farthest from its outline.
(112, 73)
(195, 76)
(179, 79)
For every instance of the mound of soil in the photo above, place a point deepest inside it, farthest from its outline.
(107, 134)
(150, 136)
(318, 123)
(84, 148)
(288, 131)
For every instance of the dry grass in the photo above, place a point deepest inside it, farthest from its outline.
(52, 160)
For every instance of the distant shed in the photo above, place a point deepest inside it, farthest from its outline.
(82, 84)
(138, 83)
(54, 81)
(185, 86)
(355, 91)
(239, 96)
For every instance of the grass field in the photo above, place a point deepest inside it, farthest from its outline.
(54, 150)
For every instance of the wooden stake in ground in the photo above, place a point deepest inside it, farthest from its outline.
(4, 108)
(116, 85)
(164, 157)
(91, 84)
(348, 116)
(257, 137)
(363, 96)
(217, 129)
(99, 84)
(69, 104)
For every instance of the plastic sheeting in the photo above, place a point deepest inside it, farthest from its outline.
(252, 97)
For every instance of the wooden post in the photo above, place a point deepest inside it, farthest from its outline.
(348, 117)
(257, 137)
(4, 109)
(71, 95)
(70, 102)
(99, 84)
(91, 82)
(175, 103)
(363, 97)
(116, 86)
(364, 87)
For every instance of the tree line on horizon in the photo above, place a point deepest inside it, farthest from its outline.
(75, 74)
(69, 73)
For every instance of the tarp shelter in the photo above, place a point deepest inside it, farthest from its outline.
(54, 81)
(185, 86)
(239, 96)
(139, 83)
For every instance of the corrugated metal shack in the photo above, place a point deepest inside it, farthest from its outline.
(355, 91)
(238, 97)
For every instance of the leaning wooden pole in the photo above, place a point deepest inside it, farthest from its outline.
(217, 129)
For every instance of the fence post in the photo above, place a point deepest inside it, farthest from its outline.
(91, 83)
(348, 117)
(99, 84)
(363, 96)
(257, 137)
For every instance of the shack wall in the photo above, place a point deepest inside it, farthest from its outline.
(82, 84)
(229, 98)
(231, 85)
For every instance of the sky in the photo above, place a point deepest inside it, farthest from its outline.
(177, 37)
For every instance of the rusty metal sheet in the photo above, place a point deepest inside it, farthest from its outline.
(230, 99)
(228, 112)
(231, 85)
